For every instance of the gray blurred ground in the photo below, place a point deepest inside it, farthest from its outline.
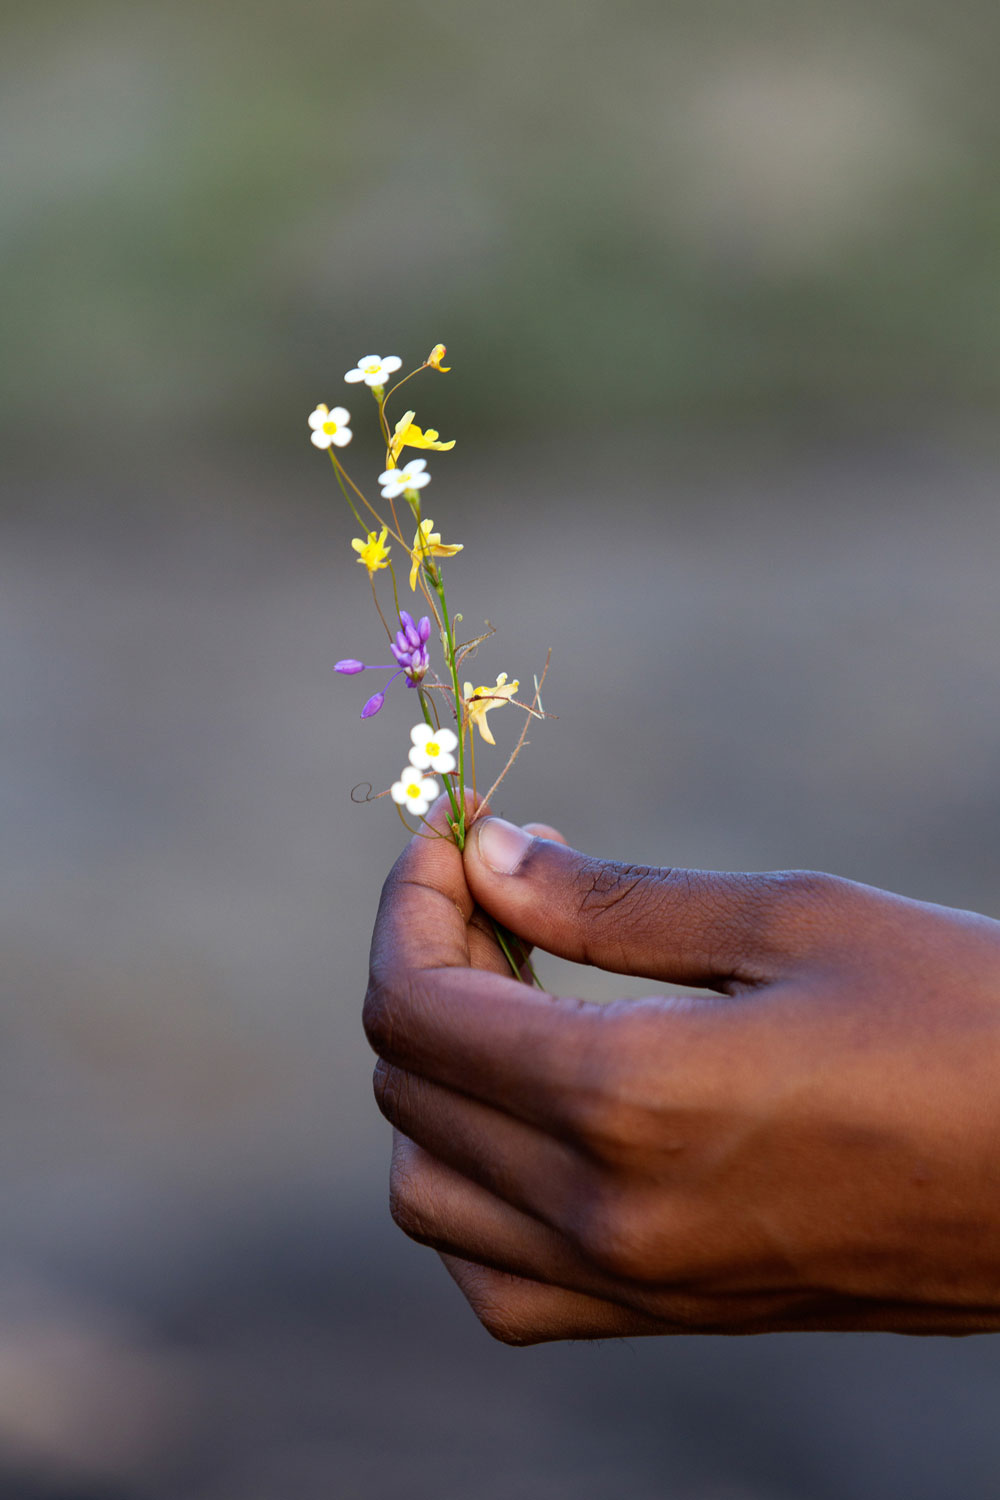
(759, 660)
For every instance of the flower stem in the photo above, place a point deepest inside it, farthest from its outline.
(343, 487)
(459, 826)
(501, 934)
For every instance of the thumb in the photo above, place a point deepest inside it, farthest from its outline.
(693, 927)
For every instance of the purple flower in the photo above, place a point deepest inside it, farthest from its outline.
(410, 646)
(410, 652)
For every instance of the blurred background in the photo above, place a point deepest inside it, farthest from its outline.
(721, 291)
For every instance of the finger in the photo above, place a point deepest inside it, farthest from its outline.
(429, 1011)
(516, 1162)
(438, 1207)
(692, 927)
(519, 1311)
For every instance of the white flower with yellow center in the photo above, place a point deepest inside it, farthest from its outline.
(373, 369)
(432, 749)
(330, 427)
(413, 476)
(417, 792)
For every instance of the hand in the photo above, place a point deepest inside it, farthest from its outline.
(815, 1147)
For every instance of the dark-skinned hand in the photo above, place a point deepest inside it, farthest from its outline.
(816, 1145)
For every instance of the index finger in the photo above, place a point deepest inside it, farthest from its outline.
(428, 1011)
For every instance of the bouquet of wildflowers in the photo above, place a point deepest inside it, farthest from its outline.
(451, 711)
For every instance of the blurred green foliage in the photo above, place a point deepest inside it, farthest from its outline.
(611, 211)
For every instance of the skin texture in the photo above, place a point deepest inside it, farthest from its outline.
(814, 1146)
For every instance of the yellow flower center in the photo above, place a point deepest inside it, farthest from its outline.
(370, 369)
(432, 747)
(330, 427)
(413, 790)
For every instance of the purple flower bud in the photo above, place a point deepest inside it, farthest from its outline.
(373, 705)
(424, 629)
(349, 666)
(406, 619)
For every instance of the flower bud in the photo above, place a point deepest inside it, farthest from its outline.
(349, 666)
(373, 705)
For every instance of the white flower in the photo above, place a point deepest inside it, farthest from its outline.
(418, 792)
(413, 476)
(432, 748)
(373, 369)
(330, 426)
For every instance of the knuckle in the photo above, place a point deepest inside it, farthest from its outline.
(408, 1203)
(613, 1234)
(501, 1323)
(493, 1298)
(620, 902)
(801, 903)
(392, 1088)
(387, 1002)
(376, 1015)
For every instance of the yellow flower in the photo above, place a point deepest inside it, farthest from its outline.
(435, 357)
(408, 435)
(479, 701)
(374, 553)
(428, 543)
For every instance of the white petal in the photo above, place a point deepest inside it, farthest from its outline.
(389, 477)
(417, 481)
(398, 792)
(376, 378)
(417, 806)
(318, 417)
(353, 376)
(340, 414)
(341, 437)
(421, 733)
(429, 788)
(321, 439)
(446, 738)
(443, 763)
(390, 363)
(369, 359)
(416, 463)
(420, 759)
(391, 491)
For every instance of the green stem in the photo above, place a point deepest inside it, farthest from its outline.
(343, 487)
(435, 577)
(501, 936)
(425, 707)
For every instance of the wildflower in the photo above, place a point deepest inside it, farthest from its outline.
(410, 646)
(407, 434)
(432, 748)
(330, 426)
(435, 357)
(479, 701)
(428, 543)
(411, 660)
(418, 792)
(373, 369)
(374, 553)
(413, 476)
